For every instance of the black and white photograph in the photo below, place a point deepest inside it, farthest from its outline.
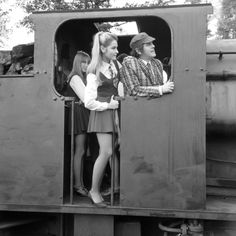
(117, 118)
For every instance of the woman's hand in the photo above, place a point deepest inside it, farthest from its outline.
(113, 104)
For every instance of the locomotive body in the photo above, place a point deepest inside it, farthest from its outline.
(176, 153)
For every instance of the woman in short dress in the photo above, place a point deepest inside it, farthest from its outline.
(77, 82)
(101, 89)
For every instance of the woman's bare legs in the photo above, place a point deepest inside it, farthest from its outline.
(78, 160)
(116, 169)
(105, 151)
(116, 173)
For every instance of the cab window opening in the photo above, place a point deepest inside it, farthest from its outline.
(76, 35)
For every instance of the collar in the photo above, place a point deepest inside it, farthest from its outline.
(105, 68)
(145, 62)
(106, 64)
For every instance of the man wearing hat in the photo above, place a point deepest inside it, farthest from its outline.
(141, 73)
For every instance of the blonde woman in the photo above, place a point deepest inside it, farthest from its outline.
(102, 86)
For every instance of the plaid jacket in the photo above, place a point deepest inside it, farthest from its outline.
(138, 79)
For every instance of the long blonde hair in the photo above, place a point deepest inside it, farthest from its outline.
(76, 69)
(100, 39)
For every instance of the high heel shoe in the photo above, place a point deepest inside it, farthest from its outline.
(97, 204)
(81, 190)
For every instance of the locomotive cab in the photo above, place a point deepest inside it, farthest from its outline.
(164, 171)
(163, 140)
(176, 152)
(166, 156)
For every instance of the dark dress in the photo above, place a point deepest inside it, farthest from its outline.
(104, 121)
(81, 114)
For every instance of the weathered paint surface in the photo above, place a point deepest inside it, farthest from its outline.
(31, 142)
(221, 102)
(221, 113)
(163, 155)
(163, 140)
(46, 28)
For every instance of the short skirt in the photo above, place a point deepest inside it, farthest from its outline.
(103, 121)
(81, 119)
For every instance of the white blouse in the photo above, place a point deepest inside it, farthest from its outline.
(78, 86)
(90, 94)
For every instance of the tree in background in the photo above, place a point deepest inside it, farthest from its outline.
(57, 5)
(152, 3)
(63, 5)
(193, 1)
(227, 21)
(4, 19)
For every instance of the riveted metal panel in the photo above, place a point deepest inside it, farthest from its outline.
(31, 142)
(163, 139)
(32, 129)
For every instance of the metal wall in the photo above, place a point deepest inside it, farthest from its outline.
(31, 142)
(221, 113)
(32, 118)
(163, 139)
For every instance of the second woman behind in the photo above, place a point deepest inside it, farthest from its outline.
(102, 86)
(77, 81)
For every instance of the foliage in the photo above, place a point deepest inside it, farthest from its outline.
(193, 1)
(4, 19)
(152, 3)
(227, 21)
(63, 5)
(58, 5)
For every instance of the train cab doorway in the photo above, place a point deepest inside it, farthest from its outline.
(75, 35)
